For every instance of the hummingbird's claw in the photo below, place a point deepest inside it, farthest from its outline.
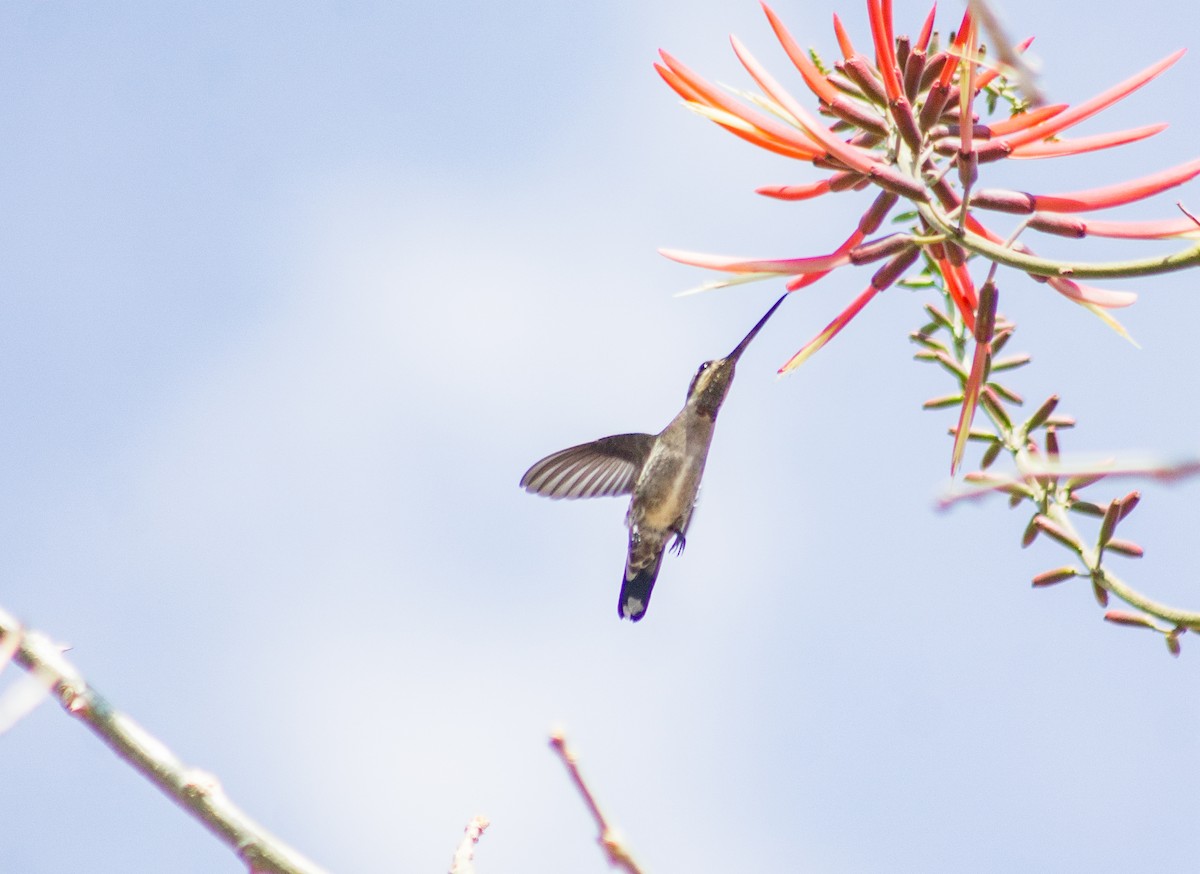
(678, 543)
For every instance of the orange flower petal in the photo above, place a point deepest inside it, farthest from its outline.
(816, 82)
(707, 94)
(880, 14)
(922, 42)
(843, 38)
(862, 160)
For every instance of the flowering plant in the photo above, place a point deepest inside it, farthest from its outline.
(907, 123)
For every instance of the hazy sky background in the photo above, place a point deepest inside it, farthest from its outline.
(294, 293)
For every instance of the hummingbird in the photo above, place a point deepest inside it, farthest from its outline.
(662, 471)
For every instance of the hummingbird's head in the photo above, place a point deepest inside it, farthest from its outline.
(711, 382)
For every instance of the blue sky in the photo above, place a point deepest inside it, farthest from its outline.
(293, 296)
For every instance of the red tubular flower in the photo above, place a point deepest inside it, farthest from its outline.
(831, 330)
(1149, 230)
(906, 124)
(880, 13)
(922, 42)
(843, 38)
(1083, 201)
(797, 192)
(1025, 119)
(782, 267)
(809, 278)
(817, 83)
(1089, 108)
(1060, 148)
(736, 117)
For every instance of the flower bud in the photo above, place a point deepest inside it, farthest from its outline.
(1124, 547)
(989, 402)
(1124, 617)
(1001, 336)
(1029, 535)
(1008, 394)
(1060, 422)
(881, 248)
(933, 69)
(943, 402)
(874, 216)
(1111, 516)
(985, 316)
(1056, 531)
(903, 48)
(906, 123)
(1011, 362)
(1058, 575)
(862, 74)
(926, 340)
(1041, 414)
(1058, 224)
(1002, 200)
(894, 269)
(914, 66)
(857, 117)
(939, 317)
(1052, 443)
(1128, 502)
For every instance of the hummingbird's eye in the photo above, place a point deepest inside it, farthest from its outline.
(703, 367)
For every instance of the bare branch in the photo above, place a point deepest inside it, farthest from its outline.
(617, 854)
(196, 791)
(464, 856)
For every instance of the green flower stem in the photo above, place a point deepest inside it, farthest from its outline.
(1113, 584)
(1027, 263)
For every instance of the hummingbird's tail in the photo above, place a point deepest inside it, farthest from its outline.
(641, 570)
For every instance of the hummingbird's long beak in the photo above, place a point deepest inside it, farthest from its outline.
(741, 347)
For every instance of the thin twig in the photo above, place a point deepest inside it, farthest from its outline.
(613, 847)
(196, 791)
(464, 856)
(23, 696)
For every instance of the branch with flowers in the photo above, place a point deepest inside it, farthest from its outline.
(906, 122)
(1039, 476)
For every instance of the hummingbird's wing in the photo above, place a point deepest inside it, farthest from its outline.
(608, 466)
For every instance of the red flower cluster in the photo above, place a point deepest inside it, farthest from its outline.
(905, 123)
